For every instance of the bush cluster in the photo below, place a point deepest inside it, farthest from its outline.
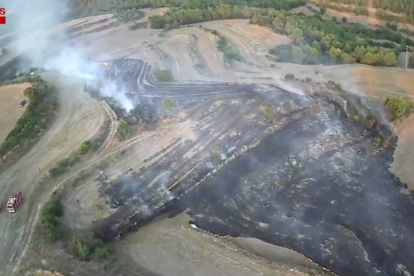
(32, 124)
(93, 250)
(50, 219)
(398, 106)
(164, 76)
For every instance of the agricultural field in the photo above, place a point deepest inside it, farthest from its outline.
(206, 138)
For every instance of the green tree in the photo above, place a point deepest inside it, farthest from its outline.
(238, 12)
(359, 52)
(390, 59)
(335, 52)
(347, 58)
(298, 55)
(344, 20)
(289, 28)
(369, 58)
(309, 51)
(398, 106)
(277, 24)
(297, 34)
(85, 147)
(347, 49)
(317, 46)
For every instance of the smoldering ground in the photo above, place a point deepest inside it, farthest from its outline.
(318, 184)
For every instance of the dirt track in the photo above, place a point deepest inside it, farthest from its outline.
(80, 117)
(192, 55)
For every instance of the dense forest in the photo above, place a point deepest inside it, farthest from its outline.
(177, 17)
(330, 42)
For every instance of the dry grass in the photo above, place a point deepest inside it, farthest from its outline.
(10, 110)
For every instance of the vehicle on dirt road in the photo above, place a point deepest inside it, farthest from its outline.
(14, 202)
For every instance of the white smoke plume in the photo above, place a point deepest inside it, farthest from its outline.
(39, 38)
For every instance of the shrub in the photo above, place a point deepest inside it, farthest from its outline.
(215, 157)
(268, 113)
(164, 76)
(124, 129)
(289, 76)
(398, 106)
(50, 219)
(63, 166)
(170, 104)
(85, 147)
(229, 52)
(93, 250)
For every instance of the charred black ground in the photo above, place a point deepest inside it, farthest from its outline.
(305, 177)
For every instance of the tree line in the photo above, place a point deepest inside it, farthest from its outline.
(41, 110)
(177, 17)
(92, 7)
(319, 41)
(351, 2)
(338, 5)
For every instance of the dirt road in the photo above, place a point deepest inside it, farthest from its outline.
(79, 118)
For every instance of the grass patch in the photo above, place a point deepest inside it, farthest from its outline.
(230, 53)
(164, 76)
(50, 219)
(63, 166)
(124, 130)
(216, 157)
(268, 113)
(347, 232)
(40, 112)
(170, 104)
(93, 250)
(127, 15)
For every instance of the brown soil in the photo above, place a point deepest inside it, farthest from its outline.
(79, 118)
(172, 247)
(10, 110)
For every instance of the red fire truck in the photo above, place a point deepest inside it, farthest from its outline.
(14, 202)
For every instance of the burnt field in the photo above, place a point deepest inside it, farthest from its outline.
(289, 169)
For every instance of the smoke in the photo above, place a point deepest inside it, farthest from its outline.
(44, 43)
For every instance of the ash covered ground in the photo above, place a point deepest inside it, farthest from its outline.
(290, 169)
